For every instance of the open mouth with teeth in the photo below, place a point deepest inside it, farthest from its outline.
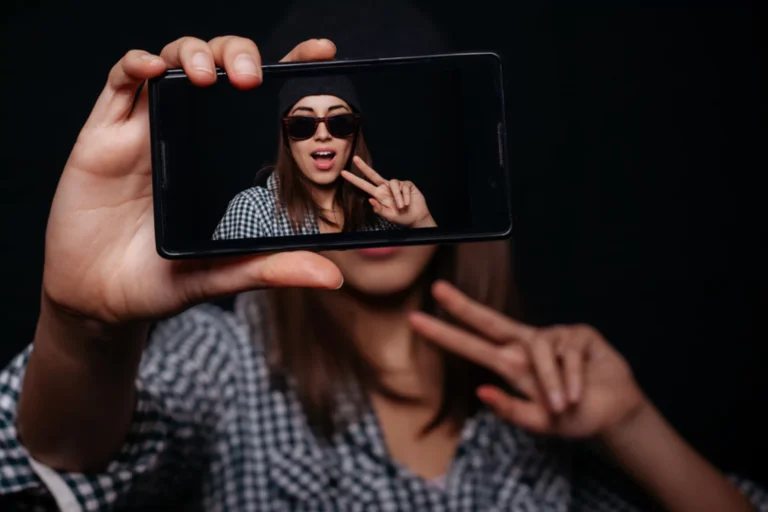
(323, 155)
(324, 158)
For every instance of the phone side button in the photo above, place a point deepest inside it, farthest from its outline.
(163, 165)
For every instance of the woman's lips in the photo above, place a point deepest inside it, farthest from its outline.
(326, 161)
(378, 252)
(323, 164)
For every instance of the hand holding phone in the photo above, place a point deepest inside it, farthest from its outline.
(100, 257)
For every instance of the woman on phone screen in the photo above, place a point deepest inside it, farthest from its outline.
(322, 181)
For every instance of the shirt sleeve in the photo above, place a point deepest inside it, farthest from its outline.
(184, 380)
(244, 218)
(755, 493)
(601, 486)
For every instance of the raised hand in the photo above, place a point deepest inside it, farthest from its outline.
(100, 256)
(399, 202)
(577, 385)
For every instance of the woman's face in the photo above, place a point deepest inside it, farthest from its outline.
(321, 158)
(382, 271)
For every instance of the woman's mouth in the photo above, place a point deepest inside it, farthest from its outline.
(378, 252)
(324, 158)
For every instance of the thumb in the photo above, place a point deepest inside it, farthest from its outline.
(228, 276)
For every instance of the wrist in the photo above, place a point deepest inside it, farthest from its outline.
(637, 421)
(425, 222)
(84, 340)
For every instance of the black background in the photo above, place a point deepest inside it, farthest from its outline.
(218, 138)
(639, 145)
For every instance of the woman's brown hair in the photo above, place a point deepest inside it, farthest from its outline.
(295, 196)
(320, 358)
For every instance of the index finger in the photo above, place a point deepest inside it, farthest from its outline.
(483, 319)
(240, 58)
(509, 362)
(195, 56)
(368, 171)
(117, 99)
(359, 183)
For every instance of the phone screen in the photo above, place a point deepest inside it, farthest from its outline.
(272, 168)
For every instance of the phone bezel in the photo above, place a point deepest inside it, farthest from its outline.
(295, 243)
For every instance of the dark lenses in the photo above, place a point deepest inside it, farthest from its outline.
(342, 126)
(300, 127)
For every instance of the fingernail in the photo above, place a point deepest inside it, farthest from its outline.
(341, 283)
(151, 59)
(245, 65)
(556, 399)
(485, 394)
(201, 62)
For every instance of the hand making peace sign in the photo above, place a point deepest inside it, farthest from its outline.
(577, 384)
(399, 202)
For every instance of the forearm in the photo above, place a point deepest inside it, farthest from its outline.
(657, 457)
(78, 393)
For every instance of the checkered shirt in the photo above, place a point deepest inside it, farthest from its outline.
(210, 432)
(254, 213)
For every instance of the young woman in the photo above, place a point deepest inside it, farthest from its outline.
(405, 386)
(318, 183)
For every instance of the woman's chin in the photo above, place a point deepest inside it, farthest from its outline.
(323, 177)
(382, 272)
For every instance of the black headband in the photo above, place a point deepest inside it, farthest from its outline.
(333, 85)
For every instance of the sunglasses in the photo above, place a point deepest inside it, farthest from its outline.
(340, 126)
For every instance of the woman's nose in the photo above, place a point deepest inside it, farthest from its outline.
(322, 132)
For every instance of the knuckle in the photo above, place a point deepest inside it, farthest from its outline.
(220, 39)
(509, 363)
(117, 69)
(572, 358)
(193, 44)
(117, 72)
(587, 334)
(560, 330)
(168, 46)
(509, 357)
(542, 340)
(185, 41)
(268, 274)
(236, 43)
(506, 371)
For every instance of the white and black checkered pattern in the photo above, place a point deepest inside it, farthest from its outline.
(254, 213)
(210, 432)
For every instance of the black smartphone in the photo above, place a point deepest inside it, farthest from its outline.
(332, 155)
